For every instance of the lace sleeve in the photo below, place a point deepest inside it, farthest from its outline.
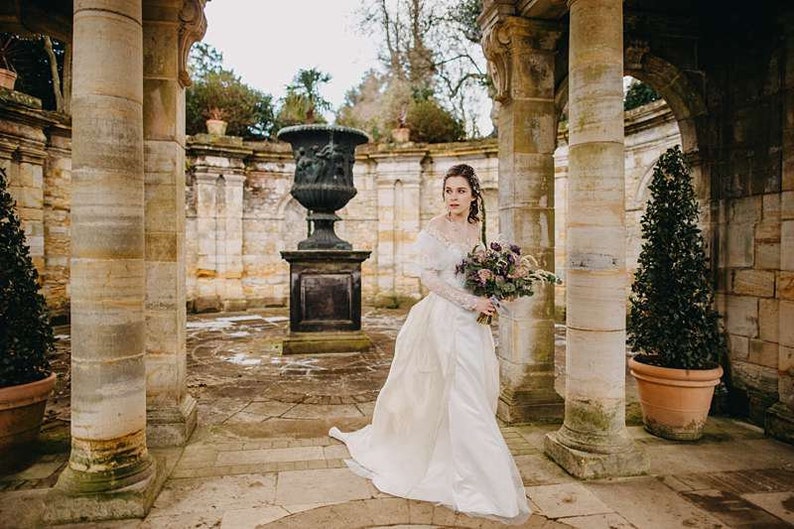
(427, 263)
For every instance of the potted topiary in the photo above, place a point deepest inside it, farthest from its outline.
(26, 339)
(672, 324)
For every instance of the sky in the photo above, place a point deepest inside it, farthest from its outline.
(266, 42)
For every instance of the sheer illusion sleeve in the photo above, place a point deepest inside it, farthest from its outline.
(427, 261)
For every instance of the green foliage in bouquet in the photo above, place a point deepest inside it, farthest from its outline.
(672, 321)
(25, 332)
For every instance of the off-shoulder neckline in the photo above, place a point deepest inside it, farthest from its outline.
(434, 230)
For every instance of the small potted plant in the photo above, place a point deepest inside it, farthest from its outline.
(26, 339)
(672, 324)
(401, 134)
(216, 125)
(8, 75)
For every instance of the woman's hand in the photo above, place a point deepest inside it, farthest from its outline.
(485, 306)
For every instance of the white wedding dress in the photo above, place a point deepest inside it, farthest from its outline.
(433, 435)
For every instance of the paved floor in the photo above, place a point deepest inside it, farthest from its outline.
(260, 457)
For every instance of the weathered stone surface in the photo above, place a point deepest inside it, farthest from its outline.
(756, 283)
(742, 315)
(785, 285)
(786, 328)
(768, 319)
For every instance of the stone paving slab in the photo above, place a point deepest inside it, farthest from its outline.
(780, 504)
(599, 521)
(734, 511)
(647, 503)
(566, 499)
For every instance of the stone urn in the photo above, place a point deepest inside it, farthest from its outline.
(323, 182)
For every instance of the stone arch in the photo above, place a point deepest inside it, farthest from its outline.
(686, 102)
(220, 197)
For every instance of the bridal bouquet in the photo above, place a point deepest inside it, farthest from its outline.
(500, 272)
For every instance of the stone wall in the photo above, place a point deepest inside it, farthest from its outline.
(240, 214)
(35, 151)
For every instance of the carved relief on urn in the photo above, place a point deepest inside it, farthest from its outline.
(323, 183)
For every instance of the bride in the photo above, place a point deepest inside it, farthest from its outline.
(433, 435)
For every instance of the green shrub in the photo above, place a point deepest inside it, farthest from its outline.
(25, 332)
(431, 123)
(222, 95)
(672, 321)
(639, 94)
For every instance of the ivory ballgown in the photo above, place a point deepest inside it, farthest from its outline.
(433, 435)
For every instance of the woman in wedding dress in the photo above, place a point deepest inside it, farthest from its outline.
(434, 436)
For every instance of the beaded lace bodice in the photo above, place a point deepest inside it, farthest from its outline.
(439, 248)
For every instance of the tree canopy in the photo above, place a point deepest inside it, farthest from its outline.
(431, 62)
(219, 93)
(303, 99)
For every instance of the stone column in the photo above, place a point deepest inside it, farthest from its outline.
(593, 441)
(524, 52)
(171, 411)
(780, 416)
(397, 179)
(110, 472)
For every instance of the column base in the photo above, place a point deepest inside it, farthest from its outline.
(62, 505)
(171, 425)
(630, 461)
(535, 406)
(326, 342)
(779, 422)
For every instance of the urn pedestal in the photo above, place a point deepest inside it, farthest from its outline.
(325, 271)
(325, 302)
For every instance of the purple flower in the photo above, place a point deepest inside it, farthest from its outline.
(515, 249)
(495, 246)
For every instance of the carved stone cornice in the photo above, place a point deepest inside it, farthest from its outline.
(500, 42)
(192, 27)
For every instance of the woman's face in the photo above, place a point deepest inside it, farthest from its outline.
(458, 196)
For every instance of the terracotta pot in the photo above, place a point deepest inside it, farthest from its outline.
(675, 402)
(401, 135)
(7, 78)
(21, 413)
(216, 127)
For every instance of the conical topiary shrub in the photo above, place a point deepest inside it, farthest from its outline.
(25, 333)
(672, 321)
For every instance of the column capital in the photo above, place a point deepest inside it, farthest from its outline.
(507, 37)
(634, 51)
(192, 27)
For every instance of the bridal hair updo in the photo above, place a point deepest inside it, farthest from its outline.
(467, 172)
